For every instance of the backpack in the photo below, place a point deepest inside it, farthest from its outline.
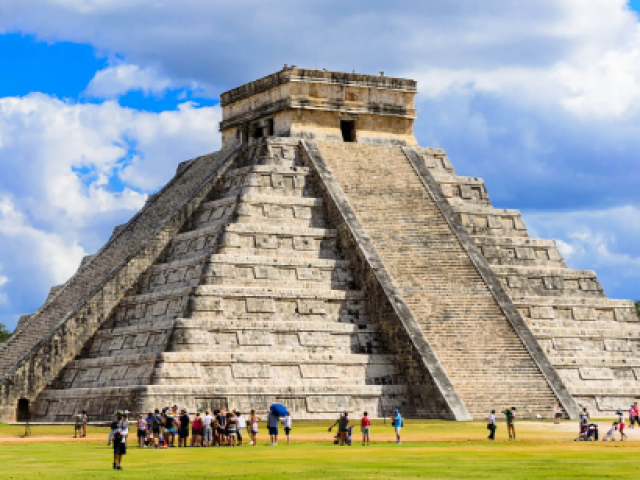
(156, 421)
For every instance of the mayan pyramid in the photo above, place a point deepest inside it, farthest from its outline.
(323, 260)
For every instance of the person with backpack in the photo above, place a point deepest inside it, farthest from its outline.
(491, 425)
(510, 415)
(183, 434)
(156, 427)
(78, 424)
(396, 421)
(119, 440)
(343, 427)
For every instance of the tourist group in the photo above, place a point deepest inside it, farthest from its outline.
(218, 428)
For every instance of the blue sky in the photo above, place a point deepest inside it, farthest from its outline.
(100, 101)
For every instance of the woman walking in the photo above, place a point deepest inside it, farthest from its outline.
(254, 420)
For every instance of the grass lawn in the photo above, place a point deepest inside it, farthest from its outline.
(430, 449)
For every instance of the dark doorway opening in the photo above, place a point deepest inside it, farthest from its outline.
(259, 132)
(23, 410)
(348, 129)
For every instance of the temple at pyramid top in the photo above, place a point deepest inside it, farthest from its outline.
(320, 105)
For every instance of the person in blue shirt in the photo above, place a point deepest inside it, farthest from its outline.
(396, 420)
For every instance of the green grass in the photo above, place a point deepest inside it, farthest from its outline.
(431, 449)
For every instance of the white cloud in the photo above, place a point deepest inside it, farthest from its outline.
(57, 258)
(117, 80)
(72, 171)
(4, 298)
(603, 240)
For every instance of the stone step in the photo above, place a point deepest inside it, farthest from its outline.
(256, 240)
(585, 310)
(519, 251)
(438, 281)
(304, 401)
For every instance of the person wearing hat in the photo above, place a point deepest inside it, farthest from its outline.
(396, 421)
(119, 440)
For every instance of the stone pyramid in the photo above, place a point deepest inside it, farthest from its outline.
(324, 261)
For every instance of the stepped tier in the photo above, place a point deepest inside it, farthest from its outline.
(590, 340)
(328, 277)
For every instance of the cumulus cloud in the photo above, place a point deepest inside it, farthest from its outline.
(117, 80)
(72, 171)
(603, 240)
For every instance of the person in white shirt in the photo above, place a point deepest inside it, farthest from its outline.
(287, 424)
(119, 441)
(241, 424)
(206, 429)
(491, 425)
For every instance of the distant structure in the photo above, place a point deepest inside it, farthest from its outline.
(323, 260)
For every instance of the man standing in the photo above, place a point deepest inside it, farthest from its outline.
(272, 422)
(396, 421)
(510, 415)
(78, 424)
(491, 425)
(119, 440)
(206, 429)
(365, 426)
(156, 425)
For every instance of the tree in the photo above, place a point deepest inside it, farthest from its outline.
(638, 307)
(4, 333)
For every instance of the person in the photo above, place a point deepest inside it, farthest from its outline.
(112, 432)
(510, 415)
(78, 424)
(142, 431)
(119, 440)
(287, 423)
(272, 423)
(149, 420)
(343, 427)
(231, 429)
(585, 413)
(215, 428)
(85, 420)
(207, 433)
(609, 435)
(491, 425)
(242, 424)
(184, 429)
(170, 429)
(557, 413)
(197, 431)
(254, 420)
(221, 417)
(632, 416)
(636, 412)
(621, 425)
(396, 421)
(156, 425)
(365, 426)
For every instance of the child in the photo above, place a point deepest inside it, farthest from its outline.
(365, 426)
(287, 424)
(349, 433)
(162, 442)
(609, 435)
(621, 425)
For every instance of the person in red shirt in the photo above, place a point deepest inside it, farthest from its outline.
(365, 425)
